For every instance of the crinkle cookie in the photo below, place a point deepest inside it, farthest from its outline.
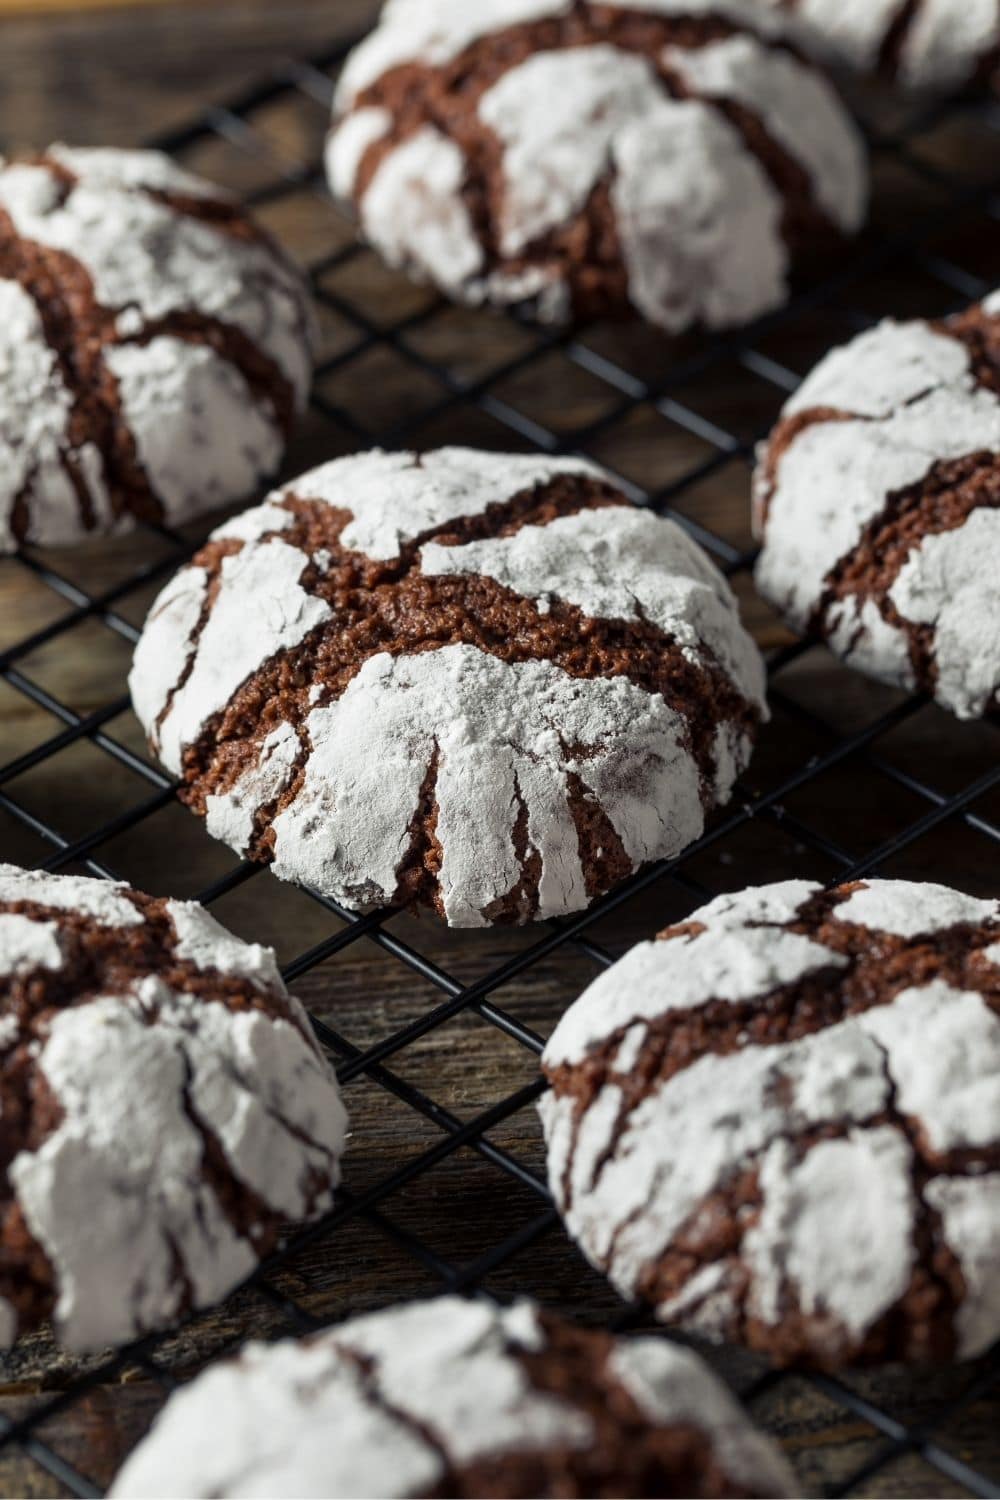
(475, 681)
(878, 500)
(456, 1398)
(654, 156)
(932, 45)
(165, 1109)
(779, 1123)
(154, 346)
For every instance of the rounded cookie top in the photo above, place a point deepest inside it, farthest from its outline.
(934, 45)
(878, 501)
(457, 1398)
(165, 1109)
(779, 1122)
(154, 346)
(660, 156)
(475, 681)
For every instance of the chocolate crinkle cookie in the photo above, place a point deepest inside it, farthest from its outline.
(666, 157)
(165, 1109)
(935, 46)
(456, 1398)
(878, 501)
(479, 682)
(779, 1122)
(155, 346)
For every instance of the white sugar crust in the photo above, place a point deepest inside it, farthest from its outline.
(970, 1210)
(260, 609)
(104, 900)
(931, 1053)
(35, 409)
(618, 564)
(949, 583)
(912, 402)
(117, 168)
(443, 1378)
(27, 944)
(346, 146)
(500, 730)
(165, 644)
(797, 107)
(911, 908)
(200, 434)
(414, 214)
(395, 497)
(698, 218)
(204, 942)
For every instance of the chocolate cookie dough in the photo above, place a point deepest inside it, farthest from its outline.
(779, 1123)
(479, 682)
(154, 346)
(588, 159)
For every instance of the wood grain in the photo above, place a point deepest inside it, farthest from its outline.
(117, 75)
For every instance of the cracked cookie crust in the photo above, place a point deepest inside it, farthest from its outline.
(164, 1109)
(595, 159)
(930, 45)
(877, 498)
(779, 1123)
(154, 346)
(457, 1398)
(478, 682)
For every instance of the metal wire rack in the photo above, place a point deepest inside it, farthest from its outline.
(440, 1032)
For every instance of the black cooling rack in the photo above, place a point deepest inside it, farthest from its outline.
(850, 779)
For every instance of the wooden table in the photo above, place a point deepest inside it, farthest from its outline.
(117, 76)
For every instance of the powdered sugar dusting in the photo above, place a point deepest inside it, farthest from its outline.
(204, 942)
(165, 644)
(349, 828)
(104, 900)
(970, 1210)
(26, 945)
(799, 109)
(911, 908)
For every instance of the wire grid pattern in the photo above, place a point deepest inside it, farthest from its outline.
(816, 747)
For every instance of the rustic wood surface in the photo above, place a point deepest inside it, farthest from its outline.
(117, 77)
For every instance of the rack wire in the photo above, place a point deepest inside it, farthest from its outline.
(850, 779)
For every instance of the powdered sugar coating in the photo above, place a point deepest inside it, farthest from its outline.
(442, 1385)
(697, 215)
(500, 733)
(133, 1213)
(499, 747)
(823, 1127)
(942, 46)
(878, 419)
(175, 295)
